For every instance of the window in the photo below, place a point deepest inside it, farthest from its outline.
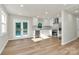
(3, 23)
(39, 25)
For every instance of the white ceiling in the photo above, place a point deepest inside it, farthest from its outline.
(40, 9)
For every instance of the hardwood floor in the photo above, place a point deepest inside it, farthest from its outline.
(45, 47)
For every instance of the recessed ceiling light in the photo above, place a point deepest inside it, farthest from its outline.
(46, 12)
(20, 13)
(46, 9)
(21, 5)
(65, 4)
(37, 16)
(76, 11)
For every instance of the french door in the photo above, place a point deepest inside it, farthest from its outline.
(21, 29)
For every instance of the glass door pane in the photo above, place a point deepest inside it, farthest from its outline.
(18, 29)
(25, 27)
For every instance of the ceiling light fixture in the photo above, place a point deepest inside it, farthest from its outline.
(37, 16)
(21, 5)
(76, 11)
(20, 13)
(46, 12)
(65, 4)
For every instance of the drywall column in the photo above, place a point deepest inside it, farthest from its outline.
(30, 27)
(69, 32)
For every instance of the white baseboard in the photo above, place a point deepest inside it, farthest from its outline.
(69, 41)
(3, 46)
(20, 38)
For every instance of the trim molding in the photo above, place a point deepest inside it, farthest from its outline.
(19, 38)
(69, 41)
(3, 46)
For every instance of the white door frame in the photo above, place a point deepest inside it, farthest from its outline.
(14, 28)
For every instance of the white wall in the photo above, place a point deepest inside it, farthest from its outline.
(31, 27)
(69, 32)
(10, 27)
(77, 26)
(3, 37)
(32, 22)
(46, 22)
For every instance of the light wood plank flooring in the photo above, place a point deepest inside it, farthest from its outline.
(45, 47)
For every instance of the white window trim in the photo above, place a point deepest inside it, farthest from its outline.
(3, 23)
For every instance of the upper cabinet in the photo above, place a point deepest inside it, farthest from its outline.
(46, 22)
